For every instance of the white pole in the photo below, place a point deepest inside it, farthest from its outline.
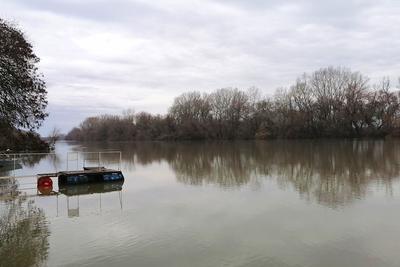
(120, 160)
(14, 165)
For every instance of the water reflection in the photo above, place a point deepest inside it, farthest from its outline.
(331, 172)
(231, 210)
(73, 192)
(87, 189)
(9, 163)
(24, 233)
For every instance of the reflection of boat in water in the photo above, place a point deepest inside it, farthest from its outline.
(74, 192)
(94, 188)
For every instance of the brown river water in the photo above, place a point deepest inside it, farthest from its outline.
(248, 203)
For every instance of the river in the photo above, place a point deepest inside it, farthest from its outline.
(245, 203)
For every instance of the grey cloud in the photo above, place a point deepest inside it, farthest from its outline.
(100, 10)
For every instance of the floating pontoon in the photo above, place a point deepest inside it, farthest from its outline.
(87, 175)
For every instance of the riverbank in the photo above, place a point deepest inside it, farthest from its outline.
(21, 141)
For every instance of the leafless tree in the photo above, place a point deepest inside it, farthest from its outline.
(330, 102)
(54, 137)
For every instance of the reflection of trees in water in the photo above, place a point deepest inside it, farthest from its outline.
(332, 172)
(24, 233)
(30, 160)
(226, 165)
(193, 162)
(22, 160)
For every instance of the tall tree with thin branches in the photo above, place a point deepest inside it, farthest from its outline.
(22, 89)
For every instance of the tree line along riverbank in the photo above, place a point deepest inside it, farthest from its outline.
(330, 102)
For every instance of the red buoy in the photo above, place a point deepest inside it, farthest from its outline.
(45, 181)
(45, 190)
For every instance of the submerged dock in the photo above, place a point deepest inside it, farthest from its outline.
(87, 175)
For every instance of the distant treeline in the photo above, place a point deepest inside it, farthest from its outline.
(331, 102)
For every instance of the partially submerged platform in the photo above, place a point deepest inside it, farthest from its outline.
(87, 175)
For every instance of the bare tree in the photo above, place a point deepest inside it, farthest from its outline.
(330, 102)
(54, 137)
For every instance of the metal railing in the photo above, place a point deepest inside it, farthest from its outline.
(98, 157)
(77, 157)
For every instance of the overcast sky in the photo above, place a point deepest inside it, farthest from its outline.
(102, 56)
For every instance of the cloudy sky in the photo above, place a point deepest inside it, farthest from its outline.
(105, 56)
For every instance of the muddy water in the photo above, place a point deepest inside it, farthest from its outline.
(275, 203)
